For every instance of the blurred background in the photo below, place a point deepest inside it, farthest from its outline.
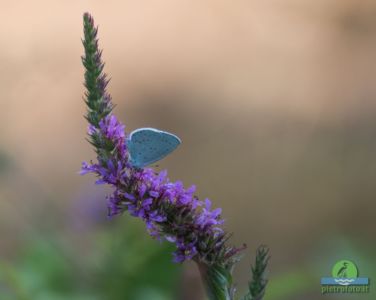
(274, 101)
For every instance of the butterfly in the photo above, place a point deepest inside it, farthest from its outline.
(148, 145)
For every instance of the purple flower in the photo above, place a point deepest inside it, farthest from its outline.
(112, 128)
(86, 168)
(141, 190)
(167, 208)
(184, 252)
(114, 204)
(154, 194)
(91, 129)
(208, 219)
(114, 131)
(170, 211)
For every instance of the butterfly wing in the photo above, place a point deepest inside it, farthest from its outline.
(148, 145)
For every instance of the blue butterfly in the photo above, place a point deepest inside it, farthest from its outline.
(148, 145)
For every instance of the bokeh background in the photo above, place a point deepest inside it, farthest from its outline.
(274, 101)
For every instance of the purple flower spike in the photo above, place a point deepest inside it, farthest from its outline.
(170, 211)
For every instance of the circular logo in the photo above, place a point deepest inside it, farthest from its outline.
(345, 269)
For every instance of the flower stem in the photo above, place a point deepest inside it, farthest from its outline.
(217, 281)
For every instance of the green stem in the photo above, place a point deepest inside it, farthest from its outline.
(218, 282)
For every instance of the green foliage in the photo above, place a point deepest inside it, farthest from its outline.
(134, 264)
(120, 264)
(292, 283)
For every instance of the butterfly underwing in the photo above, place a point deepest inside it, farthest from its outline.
(148, 145)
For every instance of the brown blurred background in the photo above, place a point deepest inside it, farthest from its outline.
(274, 101)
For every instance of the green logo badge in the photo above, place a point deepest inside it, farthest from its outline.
(344, 279)
(345, 269)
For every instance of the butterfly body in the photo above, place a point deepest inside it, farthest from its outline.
(148, 145)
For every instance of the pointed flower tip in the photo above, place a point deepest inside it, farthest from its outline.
(87, 16)
(88, 20)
